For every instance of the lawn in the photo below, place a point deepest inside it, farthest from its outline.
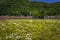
(30, 29)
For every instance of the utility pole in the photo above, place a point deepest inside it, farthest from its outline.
(30, 13)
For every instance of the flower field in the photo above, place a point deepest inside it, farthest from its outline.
(30, 29)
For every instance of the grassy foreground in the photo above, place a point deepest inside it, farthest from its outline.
(30, 29)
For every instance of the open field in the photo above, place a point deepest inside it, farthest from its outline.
(30, 29)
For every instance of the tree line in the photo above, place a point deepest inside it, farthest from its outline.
(29, 8)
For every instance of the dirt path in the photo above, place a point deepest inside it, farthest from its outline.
(14, 17)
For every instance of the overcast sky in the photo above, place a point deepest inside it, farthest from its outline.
(49, 1)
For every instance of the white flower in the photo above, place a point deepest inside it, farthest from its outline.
(14, 23)
(8, 37)
(18, 37)
(26, 24)
(17, 24)
(28, 38)
(30, 20)
(28, 34)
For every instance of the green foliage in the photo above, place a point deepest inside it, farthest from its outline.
(24, 7)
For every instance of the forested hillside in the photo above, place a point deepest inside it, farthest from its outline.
(29, 8)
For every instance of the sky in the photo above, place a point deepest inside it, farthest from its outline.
(48, 1)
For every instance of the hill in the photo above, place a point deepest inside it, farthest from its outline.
(29, 8)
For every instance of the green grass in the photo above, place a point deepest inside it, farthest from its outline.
(30, 29)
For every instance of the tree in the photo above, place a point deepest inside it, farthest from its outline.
(24, 7)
